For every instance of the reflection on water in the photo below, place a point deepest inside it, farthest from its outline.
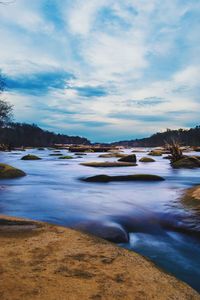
(151, 212)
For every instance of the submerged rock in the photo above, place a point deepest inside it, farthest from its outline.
(8, 172)
(187, 162)
(30, 157)
(109, 231)
(108, 164)
(66, 157)
(41, 149)
(55, 154)
(146, 159)
(110, 155)
(135, 177)
(129, 158)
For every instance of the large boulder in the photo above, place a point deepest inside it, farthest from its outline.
(8, 172)
(129, 158)
(110, 231)
(135, 177)
(30, 157)
(188, 162)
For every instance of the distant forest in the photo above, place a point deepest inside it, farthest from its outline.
(22, 134)
(190, 137)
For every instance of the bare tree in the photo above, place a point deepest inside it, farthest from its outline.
(5, 107)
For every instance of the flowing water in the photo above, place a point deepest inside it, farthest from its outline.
(159, 225)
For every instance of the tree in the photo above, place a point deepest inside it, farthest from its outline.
(5, 108)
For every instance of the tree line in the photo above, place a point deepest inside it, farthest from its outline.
(185, 137)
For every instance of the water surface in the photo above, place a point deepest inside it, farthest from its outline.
(52, 192)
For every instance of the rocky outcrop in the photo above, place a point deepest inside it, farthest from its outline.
(42, 261)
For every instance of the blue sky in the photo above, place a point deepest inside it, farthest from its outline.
(103, 69)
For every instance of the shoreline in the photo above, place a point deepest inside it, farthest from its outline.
(43, 261)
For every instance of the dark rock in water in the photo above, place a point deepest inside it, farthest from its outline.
(146, 159)
(8, 172)
(187, 162)
(55, 154)
(108, 164)
(197, 149)
(167, 157)
(135, 177)
(30, 157)
(66, 157)
(110, 231)
(111, 155)
(41, 149)
(80, 153)
(129, 158)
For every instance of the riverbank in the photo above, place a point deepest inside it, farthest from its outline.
(42, 261)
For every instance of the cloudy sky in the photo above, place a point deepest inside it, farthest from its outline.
(103, 69)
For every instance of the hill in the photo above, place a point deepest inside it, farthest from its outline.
(22, 134)
(190, 137)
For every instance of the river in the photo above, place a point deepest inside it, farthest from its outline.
(52, 191)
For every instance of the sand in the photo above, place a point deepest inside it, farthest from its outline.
(42, 261)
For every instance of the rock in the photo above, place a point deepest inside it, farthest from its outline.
(41, 149)
(8, 172)
(197, 149)
(109, 231)
(193, 195)
(155, 153)
(55, 154)
(135, 177)
(30, 157)
(146, 159)
(188, 162)
(110, 155)
(167, 157)
(108, 164)
(80, 153)
(128, 158)
(66, 157)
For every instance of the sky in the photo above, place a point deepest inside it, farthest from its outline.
(107, 70)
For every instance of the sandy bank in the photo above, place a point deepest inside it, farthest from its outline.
(42, 261)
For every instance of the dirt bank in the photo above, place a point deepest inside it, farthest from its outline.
(42, 261)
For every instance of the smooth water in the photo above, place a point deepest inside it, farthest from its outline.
(52, 192)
